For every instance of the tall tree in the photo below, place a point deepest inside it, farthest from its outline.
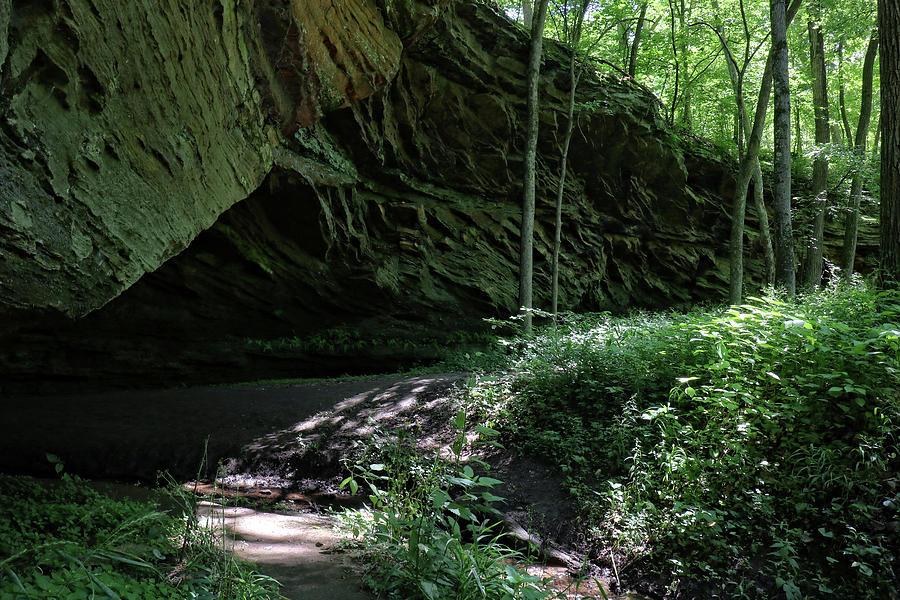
(889, 25)
(851, 226)
(526, 255)
(574, 76)
(743, 134)
(749, 165)
(636, 42)
(785, 277)
(812, 268)
(527, 13)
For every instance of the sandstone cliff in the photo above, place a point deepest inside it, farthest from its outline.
(178, 177)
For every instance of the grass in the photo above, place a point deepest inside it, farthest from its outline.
(744, 452)
(71, 542)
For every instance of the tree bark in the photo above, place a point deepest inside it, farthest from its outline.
(527, 13)
(812, 268)
(749, 161)
(635, 45)
(785, 270)
(765, 234)
(739, 206)
(851, 226)
(683, 55)
(570, 127)
(743, 124)
(672, 37)
(842, 104)
(889, 25)
(526, 254)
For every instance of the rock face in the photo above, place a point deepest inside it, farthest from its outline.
(128, 128)
(276, 169)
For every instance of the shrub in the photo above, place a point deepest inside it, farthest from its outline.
(747, 452)
(430, 535)
(70, 541)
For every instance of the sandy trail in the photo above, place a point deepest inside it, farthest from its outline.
(296, 549)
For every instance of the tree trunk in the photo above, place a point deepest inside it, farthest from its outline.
(765, 235)
(889, 25)
(672, 37)
(812, 268)
(570, 127)
(635, 45)
(851, 227)
(784, 245)
(527, 13)
(749, 163)
(683, 55)
(742, 120)
(842, 104)
(526, 255)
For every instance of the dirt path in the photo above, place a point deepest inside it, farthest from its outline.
(266, 429)
(296, 549)
(278, 443)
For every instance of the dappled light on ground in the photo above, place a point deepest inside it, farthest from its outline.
(315, 445)
(296, 549)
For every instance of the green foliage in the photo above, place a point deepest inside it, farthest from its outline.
(429, 535)
(68, 541)
(346, 340)
(748, 452)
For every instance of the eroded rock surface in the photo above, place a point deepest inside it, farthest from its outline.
(329, 163)
(128, 128)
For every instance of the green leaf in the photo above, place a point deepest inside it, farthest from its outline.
(460, 420)
(125, 559)
(104, 587)
(439, 498)
(15, 578)
(488, 481)
(486, 431)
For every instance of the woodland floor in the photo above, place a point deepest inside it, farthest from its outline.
(278, 443)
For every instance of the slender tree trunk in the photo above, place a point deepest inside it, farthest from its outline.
(750, 160)
(526, 255)
(683, 54)
(672, 37)
(812, 269)
(635, 45)
(876, 151)
(749, 163)
(570, 127)
(851, 227)
(842, 104)
(889, 25)
(765, 234)
(742, 121)
(785, 273)
(528, 13)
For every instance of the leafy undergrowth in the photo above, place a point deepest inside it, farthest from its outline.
(747, 452)
(70, 542)
(431, 533)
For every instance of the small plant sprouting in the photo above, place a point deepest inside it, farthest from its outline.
(431, 534)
